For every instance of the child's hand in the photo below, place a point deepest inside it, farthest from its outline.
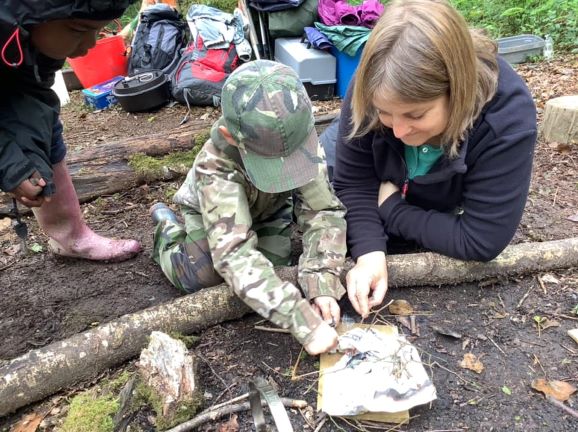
(323, 339)
(328, 309)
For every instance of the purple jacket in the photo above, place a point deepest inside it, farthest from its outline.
(467, 208)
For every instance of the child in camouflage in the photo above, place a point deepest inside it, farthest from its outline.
(262, 162)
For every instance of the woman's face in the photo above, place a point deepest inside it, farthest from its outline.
(60, 39)
(414, 123)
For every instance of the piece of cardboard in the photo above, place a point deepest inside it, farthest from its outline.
(328, 360)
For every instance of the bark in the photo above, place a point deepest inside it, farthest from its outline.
(561, 120)
(47, 370)
(104, 169)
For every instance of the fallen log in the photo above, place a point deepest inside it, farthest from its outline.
(108, 168)
(45, 371)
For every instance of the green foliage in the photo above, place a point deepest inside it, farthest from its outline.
(224, 5)
(558, 18)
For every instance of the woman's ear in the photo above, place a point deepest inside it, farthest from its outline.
(227, 136)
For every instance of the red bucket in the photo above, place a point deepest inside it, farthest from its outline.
(106, 60)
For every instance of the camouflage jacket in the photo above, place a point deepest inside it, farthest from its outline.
(219, 189)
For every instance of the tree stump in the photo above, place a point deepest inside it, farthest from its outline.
(561, 120)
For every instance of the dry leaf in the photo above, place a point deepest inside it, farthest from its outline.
(446, 332)
(573, 218)
(400, 307)
(5, 224)
(548, 278)
(471, 362)
(231, 426)
(559, 390)
(404, 321)
(546, 323)
(573, 334)
(28, 423)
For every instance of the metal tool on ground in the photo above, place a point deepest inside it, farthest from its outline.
(260, 389)
(20, 228)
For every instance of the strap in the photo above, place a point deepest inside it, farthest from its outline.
(260, 390)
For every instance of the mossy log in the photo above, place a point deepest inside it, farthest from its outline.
(44, 371)
(561, 120)
(108, 168)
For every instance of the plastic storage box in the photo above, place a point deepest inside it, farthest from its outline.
(100, 96)
(516, 49)
(316, 68)
(346, 67)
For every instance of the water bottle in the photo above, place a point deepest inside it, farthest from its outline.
(548, 48)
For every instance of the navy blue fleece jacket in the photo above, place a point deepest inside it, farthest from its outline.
(488, 182)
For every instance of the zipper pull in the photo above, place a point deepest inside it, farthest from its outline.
(404, 188)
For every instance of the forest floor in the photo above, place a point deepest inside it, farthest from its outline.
(45, 298)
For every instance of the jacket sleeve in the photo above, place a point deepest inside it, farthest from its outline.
(14, 166)
(357, 186)
(251, 276)
(26, 127)
(321, 217)
(495, 189)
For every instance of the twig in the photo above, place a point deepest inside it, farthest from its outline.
(561, 405)
(229, 402)
(320, 425)
(214, 414)
(117, 211)
(8, 265)
(537, 360)
(564, 316)
(570, 350)
(541, 282)
(222, 393)
(525, 296)
(294, 370)
(272, 329)
(305, 419)
(555, 196)
(496, 345)
(213, 370)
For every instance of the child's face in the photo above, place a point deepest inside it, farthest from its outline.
(60, 39)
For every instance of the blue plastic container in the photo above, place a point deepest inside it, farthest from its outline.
(346, 67)
(100, 96)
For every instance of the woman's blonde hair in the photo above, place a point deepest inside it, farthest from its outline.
(420, 50)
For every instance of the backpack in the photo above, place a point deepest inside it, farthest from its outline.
(158, 40)
(200, 74)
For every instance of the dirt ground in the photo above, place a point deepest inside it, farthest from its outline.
(45, 298)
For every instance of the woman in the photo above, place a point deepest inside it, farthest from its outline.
(35, 39)
(435, 144)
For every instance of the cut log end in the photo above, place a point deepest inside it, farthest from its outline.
(561, 120)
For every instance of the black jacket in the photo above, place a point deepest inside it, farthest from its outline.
(28, 107)
(488, 182)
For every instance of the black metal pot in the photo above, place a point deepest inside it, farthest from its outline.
(142, 92)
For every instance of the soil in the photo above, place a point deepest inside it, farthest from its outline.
(46, 298)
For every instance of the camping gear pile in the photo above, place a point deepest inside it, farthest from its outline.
(188, 58)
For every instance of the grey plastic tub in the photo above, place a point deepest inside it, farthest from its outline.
(517, 49)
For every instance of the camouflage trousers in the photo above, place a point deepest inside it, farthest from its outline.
(184, 255)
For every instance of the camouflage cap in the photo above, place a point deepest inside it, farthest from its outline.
(268, 112)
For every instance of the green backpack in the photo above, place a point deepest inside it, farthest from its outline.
(291, 22)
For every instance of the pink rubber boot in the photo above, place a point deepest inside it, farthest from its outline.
(61, 219)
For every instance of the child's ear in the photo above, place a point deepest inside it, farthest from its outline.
(227, 136)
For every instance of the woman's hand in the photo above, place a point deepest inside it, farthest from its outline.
(29, 191)
(386, 190)
(367, 282)
(328, 309)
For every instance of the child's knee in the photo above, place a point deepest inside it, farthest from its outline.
(191, 268)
